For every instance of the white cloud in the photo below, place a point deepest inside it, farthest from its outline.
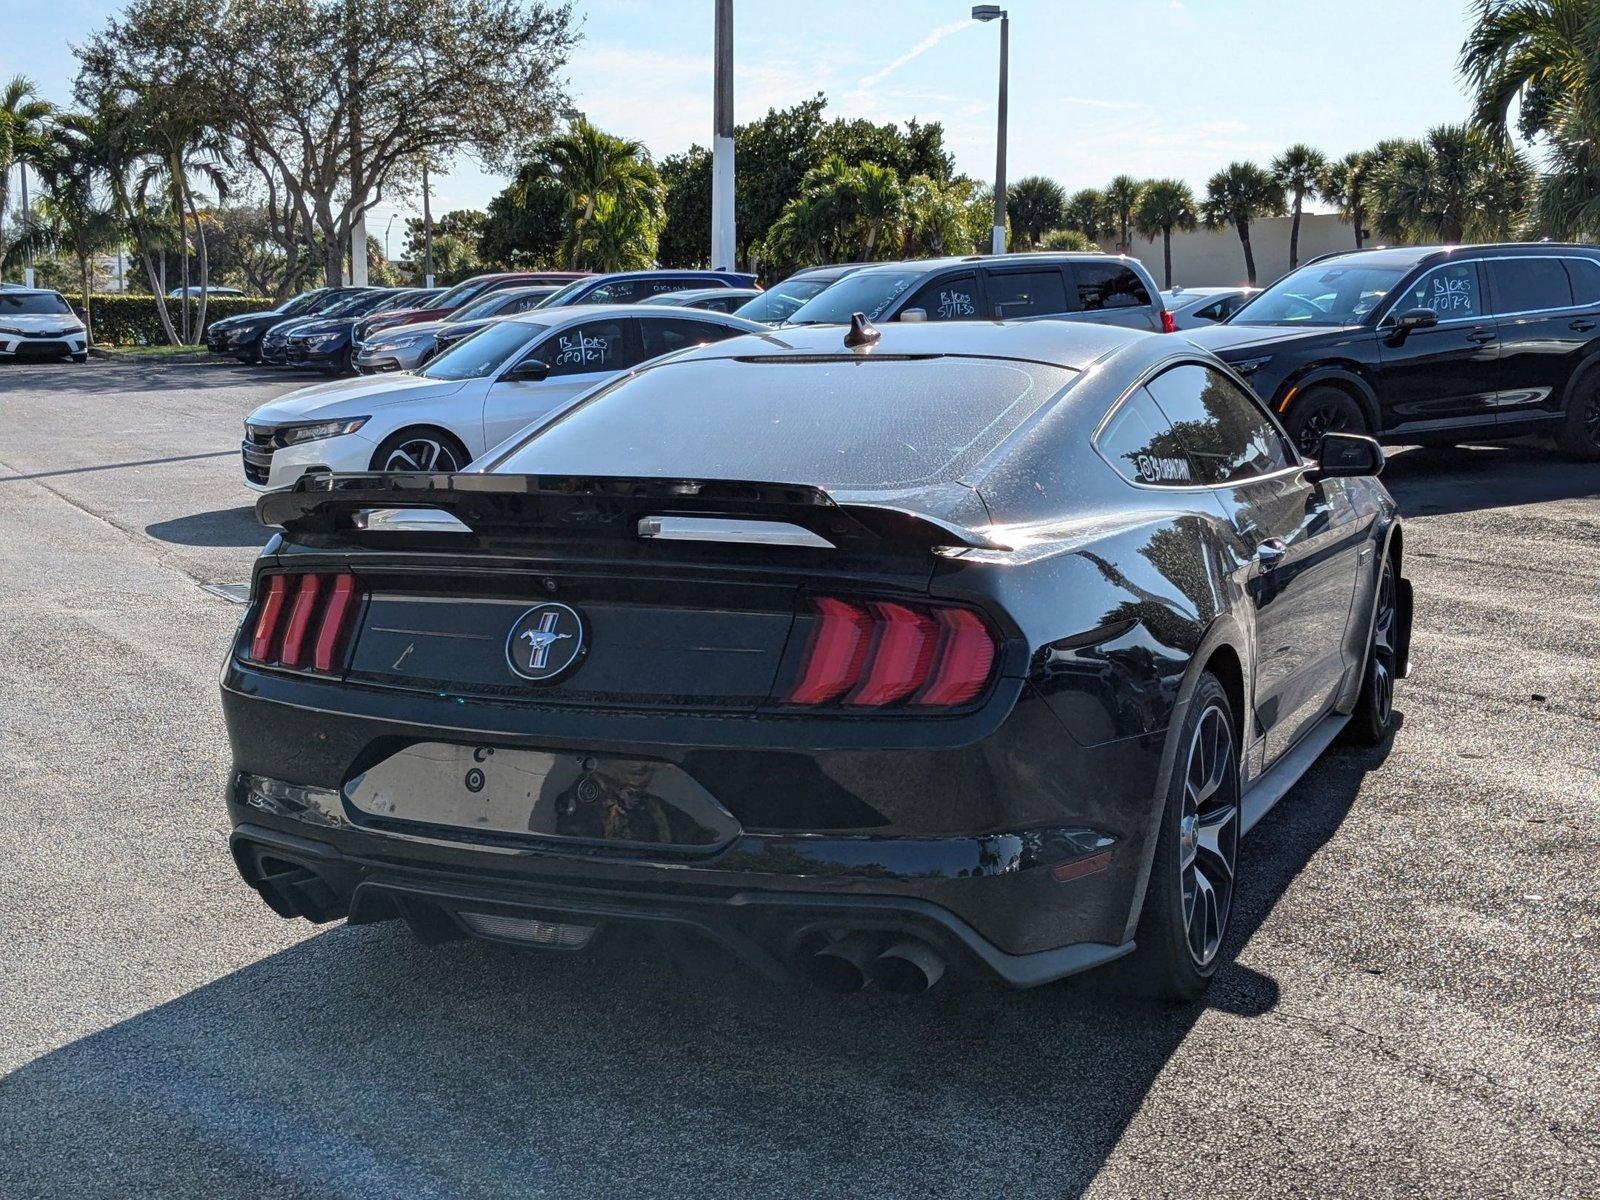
(934, 37)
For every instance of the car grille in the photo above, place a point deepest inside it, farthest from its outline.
(257, 447)
(39, 333)
(42, 349)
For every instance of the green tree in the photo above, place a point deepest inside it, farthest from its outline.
(1346, 184)
(1067, 239)
(1236, 195)
(880, 202)
(590, 164)
(936, 216)
(1035, 205)
(526, 223)
(1165, 205)
(1297, 172)
(1456, 184)
(23, 117)
(1544, 55)
(1086, 212)
(1121, 198)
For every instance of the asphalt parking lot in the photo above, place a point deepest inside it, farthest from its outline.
(1414, 1008)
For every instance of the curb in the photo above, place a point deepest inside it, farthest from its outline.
(199, 356)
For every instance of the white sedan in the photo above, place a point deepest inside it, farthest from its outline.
(473, 396)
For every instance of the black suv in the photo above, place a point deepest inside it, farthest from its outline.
(1432, 345)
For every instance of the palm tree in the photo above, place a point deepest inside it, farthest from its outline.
(936, 216)
(880, 201)
(619, 236)
(1297, 171)
(1456, 184)
(77, 215)
(1086, 212)
(1165, 205)
(1122, 197)
(1237, 195)
(1545, 53)
(1345, 183)
(591, 163)
(22, 135)
(1035, 205)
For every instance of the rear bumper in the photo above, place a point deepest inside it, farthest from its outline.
(1005, 833)
(767, 927)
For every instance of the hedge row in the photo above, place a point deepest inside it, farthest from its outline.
(134, 320)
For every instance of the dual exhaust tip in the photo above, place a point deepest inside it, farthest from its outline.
(890, 963)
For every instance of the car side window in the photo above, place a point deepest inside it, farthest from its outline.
(1026, 293)
(953, 298)
(664, 335)
(1452, 291)
(1141, 444)
(1108, 285)
(1529, 284)
(586, 348)
(618, 291)
(1227, 434)
(1584, 274)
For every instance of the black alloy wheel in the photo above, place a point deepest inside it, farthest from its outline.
(1580, 432)
(1374, 714)
(1189, 899)
(420, 450)
(1322, 410)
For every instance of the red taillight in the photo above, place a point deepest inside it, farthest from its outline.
(305, 621)
(267, 622)
(839, 643)
(873, 653)
(1169, 323)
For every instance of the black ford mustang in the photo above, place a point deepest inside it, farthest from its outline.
(863, 654)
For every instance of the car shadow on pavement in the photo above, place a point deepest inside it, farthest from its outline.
(359, 1062)
(219, 527)
(1431, 481)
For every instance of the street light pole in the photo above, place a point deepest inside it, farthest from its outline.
(991, 12)
(723, 242)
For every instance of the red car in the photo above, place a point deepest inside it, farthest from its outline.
(465, 292)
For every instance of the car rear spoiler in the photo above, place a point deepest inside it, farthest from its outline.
(513, 507)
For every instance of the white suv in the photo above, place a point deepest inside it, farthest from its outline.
(39, 323)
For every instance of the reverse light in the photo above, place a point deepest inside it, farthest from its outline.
(304, 622)
(877, 653)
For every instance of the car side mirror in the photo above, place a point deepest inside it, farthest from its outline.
(913, 315)
(531, 370)
(1412, 319)
(1346, 456)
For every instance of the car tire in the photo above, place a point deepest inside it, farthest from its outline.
(1580, 431)
(1373, 717)
(1184, 925)
(251, 356)
(1320, 410)
(428, 448)
(80, 358)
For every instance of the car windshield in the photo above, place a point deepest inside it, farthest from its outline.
(557, 298)
(483, 353)
(848, 424)
(779, 302)
(33, 304)
(295, 305)
(489, 306)
(397, 300)
(1323, 294)
(361, 302)
(468, 289)
(869, 292)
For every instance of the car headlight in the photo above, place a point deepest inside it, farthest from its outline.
(8, 329)
(400, 343)
(323, 339)
(292, 435)
(1248, 366)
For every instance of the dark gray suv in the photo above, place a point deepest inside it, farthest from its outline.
(1102, 288)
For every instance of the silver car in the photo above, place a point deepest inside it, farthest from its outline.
(1194, 308)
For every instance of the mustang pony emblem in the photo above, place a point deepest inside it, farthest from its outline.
(545, 642)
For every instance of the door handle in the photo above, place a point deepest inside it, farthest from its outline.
(1270, 553)
(1481, 336)
(1581, 325)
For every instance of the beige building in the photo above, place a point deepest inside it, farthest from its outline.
(1208, 258)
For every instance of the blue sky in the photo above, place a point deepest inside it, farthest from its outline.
(1098, 87)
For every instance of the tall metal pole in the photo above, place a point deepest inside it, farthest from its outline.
(427, 233)
(724, 245)
(1000, 147)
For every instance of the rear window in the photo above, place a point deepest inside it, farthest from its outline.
(1108, 285)
(835, 424)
